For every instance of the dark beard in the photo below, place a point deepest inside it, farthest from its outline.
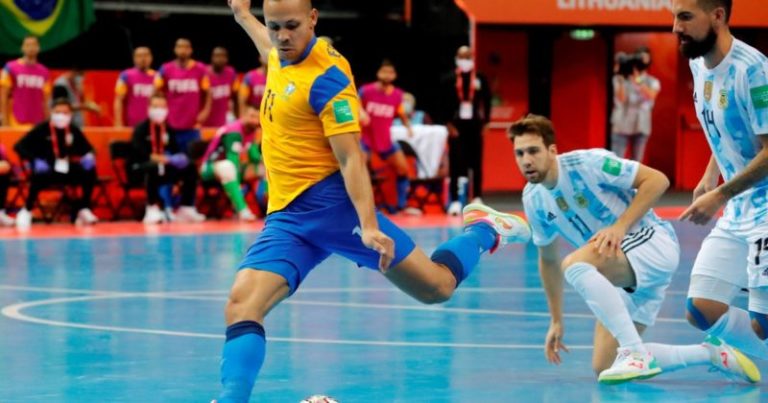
(694, 48)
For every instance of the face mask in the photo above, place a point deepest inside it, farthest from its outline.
(158, 115)
(465, 65)
(61, 120)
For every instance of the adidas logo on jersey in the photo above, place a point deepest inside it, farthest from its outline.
(551, 216)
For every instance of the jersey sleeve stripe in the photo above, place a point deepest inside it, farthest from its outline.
(326, 87)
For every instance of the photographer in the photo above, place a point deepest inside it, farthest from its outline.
(634, 93)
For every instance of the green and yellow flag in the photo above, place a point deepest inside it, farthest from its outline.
(53, 21)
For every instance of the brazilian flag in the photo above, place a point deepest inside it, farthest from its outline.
(53, 21)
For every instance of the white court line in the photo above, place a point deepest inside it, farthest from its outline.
(14, 312)
(309, 290)
(185, 295)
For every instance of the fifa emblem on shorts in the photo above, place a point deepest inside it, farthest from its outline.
(723, 102)
(581, 201)
(562, 204)
(708, 87)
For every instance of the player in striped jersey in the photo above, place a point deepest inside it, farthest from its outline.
(730, 92)
(601, 205)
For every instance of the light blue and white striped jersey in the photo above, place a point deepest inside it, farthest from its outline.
(732, 106)
(594, 188)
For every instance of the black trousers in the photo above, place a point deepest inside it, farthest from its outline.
(5, 182)
(188, 177)
(78, 176)
(465, 154)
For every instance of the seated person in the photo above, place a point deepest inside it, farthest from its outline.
(157, 153)
(58, 153)
(5, 182)
(415, 116)
(221, 161)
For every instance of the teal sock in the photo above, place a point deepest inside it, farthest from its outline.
(462, 253)
(241, 361)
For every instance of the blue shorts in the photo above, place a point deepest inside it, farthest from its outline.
(383, 154)
(321, 221)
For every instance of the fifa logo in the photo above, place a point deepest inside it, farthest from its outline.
(183, 86)
(30, 81)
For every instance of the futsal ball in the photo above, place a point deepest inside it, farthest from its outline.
(319, 399)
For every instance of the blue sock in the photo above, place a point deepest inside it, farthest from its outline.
(165, 195)
(241, 361)
(402, 191)
(462, 253)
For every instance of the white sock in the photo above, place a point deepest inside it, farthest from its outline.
(672, 358)
(735, 327)
(605, 302)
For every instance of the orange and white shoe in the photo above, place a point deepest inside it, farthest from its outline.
(509, 227)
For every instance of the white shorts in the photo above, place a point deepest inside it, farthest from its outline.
(654, 254)
(737, 257)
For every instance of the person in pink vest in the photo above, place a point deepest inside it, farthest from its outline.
(185, 83)
(25, 88)
(252, 88)
(223, 87)
(381, 102)
(133, 89)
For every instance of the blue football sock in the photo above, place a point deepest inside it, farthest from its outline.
(241, 361)
(402, 191)
(462, 253)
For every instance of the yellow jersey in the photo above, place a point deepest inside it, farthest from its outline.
(304, 103)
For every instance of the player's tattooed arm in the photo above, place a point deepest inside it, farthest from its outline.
(252, 26)
(756, 171)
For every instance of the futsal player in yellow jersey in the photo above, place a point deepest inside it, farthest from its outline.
(320, 198)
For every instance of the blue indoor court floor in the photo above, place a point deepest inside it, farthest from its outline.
(139, 318)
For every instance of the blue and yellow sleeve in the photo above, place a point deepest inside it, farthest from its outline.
(334, 99)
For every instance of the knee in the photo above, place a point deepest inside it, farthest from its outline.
(437, 294)
(703, 313)
(239, 307)
(225, 170)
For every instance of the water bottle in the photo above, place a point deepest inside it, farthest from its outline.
(463, 189)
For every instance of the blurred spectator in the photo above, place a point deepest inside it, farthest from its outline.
(415, 116)
(185, 84)
(252, 88)
(634, 95)
(381, 101)
(58, 153)
(5, 182)
(25, 88)
(157, 152)
(133, 89)
(223, 88)
(70, 86)
(465, 108)
(222, 158)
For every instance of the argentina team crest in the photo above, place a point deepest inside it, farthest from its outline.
(723, 100)
(562, 204)
(708, 88)
(581, 201)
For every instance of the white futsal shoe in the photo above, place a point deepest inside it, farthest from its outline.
(509, 227)
(730, 361)
(189, 214)
(86, 217)
(153, 215)
(630, 366)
